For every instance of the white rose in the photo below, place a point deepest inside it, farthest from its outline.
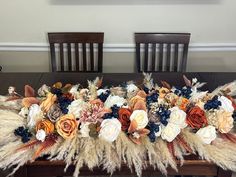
(207, 134)
(24, 112)
(131, 88)
(35, 114)
(112, 100)
(100, 91)
(74, 90)
(84, 129)
(141, 117)
(76, 107)
(178, 117)
(41, 135)
(226, 104)
(110, 129)
(170, 132)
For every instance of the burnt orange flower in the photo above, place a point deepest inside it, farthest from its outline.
(196, 118)
(124, 115)
(67, 126)
(45, 125)
(182, 103)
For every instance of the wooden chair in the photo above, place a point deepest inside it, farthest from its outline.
(157, 52)
(77, 51)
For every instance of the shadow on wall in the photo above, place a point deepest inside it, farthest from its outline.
(134, 2)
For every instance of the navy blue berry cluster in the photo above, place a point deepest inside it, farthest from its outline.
(63, 101)
(164, 115)
(103, 96)
(184, 91)
(23, 133)
(114, 113)
(234, 115)
(153, 128)
(214, 103)
(151, 98)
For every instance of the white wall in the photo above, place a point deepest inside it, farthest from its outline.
(30, 20)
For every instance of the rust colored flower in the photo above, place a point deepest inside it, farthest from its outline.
(67, 126)
(45, 125)
(124, 115)
(196, 118)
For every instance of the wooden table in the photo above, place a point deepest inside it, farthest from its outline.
(46, 168)
(56, 168)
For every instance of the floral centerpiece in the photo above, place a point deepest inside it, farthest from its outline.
(138, 125)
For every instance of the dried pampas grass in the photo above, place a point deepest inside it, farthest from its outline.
(222, 154)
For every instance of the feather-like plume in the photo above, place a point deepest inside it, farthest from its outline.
(230, 88)
(187, 81)
(148, 80)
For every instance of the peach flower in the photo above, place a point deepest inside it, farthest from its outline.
(45, 125)
(48, 102)
(163, 91)
(67, 126)
(225, 121)
(182, 103)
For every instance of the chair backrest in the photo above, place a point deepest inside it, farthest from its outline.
(157, 52)
(77, 51)
(0, 68)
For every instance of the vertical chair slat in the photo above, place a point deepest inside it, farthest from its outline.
(84, 57)
(69, 56)
(160, 57)
(138, 56)
(184, 60)
(168, 54)
(53, 56)
(146, 57)
(62, 56)
(153, 56)
(91, 57)
(176, 56)
(100, 56)
(77, 57)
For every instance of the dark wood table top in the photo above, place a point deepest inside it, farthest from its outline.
(213, 79)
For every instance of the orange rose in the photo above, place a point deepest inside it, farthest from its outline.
(196, 118)
(124, 115)
(67, 126)
(182, 103)
(45, 125)
(50, 100)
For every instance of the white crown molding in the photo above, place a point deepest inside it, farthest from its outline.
(43, 47)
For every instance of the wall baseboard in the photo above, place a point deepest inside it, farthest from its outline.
(119, 48)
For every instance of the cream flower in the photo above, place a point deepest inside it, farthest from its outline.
(178, 117)
(131, 88)
(226, 104)
(207, 134)
(141, 118)
(84, 129)
(42, 91)
(112, 100)
(170, 132)
(74, 90)
(225, 121)
(35, 114)
(110, 129)
(76, 107)
(24, 112)
(41, 135)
